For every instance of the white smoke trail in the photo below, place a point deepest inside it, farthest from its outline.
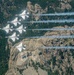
(53, 29)
(59, 47)
(44, 29)
(54, 21)
(54, 36)
(13, 29)
(57, 14)
(56, 47)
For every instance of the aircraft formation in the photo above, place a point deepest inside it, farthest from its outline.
(15, 26)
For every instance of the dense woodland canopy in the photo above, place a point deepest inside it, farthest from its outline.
(4, 53)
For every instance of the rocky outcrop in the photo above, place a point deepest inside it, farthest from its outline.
(52, 59)
(35, 9)
(65, 6)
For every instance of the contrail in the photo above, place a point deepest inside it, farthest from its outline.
(13, 29)
(53, 36)
(52, 21)
(57, 14)
(44, 29)
(56, 47)
(53, 29)
(59, 47)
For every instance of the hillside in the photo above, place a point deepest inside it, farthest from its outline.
(50, 61)
(38, 61)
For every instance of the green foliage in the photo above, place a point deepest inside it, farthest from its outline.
(49, 62)
(53, 73)
(3, 53)
(69, 71)
(72, 3)
(72, 52)
(35, 66)
(53, 60)
(61, 54)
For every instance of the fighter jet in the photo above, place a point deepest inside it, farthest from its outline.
(15, 21)
(20, 29)
(13, 37)
(20, 47)
(23, 15)
(7, 28)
